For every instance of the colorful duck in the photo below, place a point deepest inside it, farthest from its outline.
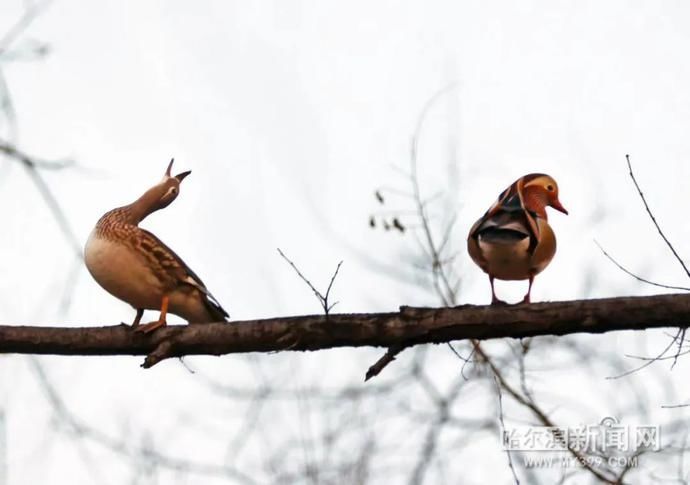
(513, 240)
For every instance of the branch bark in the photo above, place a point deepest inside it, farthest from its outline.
(410, 326)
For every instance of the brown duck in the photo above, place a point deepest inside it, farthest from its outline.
(135, 266)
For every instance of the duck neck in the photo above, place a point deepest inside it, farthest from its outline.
(536, 200)
(145, 205)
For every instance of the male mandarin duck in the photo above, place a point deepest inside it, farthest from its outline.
(513, 240)
(135, 266)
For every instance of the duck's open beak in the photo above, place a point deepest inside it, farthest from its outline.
(180, 176)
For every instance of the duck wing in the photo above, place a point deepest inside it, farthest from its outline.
(509, 212)
(166, 261)
(507, 225)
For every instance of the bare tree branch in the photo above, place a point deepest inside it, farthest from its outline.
(443, 404)
(408, 327)
(32, 165)
(123, 447)
(30, 14)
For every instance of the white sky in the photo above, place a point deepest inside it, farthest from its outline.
(290, 114)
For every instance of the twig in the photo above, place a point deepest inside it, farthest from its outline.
(651, 216)
(446, 296)
(3, 447)
(674, 406)
(380, 364)
(467, 361)
(327, 307)
(323, 299)
(30, 14)
(656, 359)
(680, 346)
(650, 361)
(503, 427)
(639, 278)
(443, 405)
(7, 106)
(680, 336)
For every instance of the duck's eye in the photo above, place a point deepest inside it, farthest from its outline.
(549, 188)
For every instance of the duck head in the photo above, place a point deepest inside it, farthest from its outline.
(160, 195)
(538, 192)
(169, 187)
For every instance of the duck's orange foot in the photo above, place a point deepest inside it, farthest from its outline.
(151, 326)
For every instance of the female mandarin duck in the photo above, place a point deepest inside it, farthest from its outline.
(513, 240)
(135, 266)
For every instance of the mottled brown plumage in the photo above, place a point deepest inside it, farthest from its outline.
(138, 268)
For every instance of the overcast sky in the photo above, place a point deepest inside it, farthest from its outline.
(290, 114)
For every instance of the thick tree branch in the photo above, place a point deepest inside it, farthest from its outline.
(409, 326)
